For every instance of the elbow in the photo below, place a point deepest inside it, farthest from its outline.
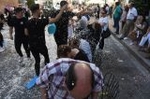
(53, 20)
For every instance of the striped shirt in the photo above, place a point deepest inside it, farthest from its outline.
(52, 78)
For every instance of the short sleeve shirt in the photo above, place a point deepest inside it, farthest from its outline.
(103, 20)
(19, 25)
(132, 13)
(36, 30)
(117, 12)
(52, 78)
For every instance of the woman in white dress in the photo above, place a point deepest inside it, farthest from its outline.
(103, 21)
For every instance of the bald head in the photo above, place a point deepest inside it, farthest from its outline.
(83, 83)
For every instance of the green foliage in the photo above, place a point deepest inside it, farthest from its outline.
(142, 6)
(30, 2)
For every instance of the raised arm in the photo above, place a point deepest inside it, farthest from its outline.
(84, 12)
(53, 20)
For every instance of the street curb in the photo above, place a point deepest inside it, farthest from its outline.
(137, 56)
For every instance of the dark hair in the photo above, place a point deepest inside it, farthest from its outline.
(126, 8)
(71, 77)
(18, 9)
(117, 3)
(62, 3)
(104, 10)
(63, 51)
(132, 4)
(34, 7)
(144, 18)
(74, 42)
(106, 4)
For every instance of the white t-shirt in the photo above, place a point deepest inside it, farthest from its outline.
(103, 20)
(132, 13)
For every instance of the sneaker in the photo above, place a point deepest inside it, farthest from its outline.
(2, 49)
(131, 43)
(20, 60)
(120, 38)
(125, 38)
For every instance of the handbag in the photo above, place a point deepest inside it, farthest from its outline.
(133, 35)
(106, 34)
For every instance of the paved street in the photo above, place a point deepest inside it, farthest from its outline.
(133, 78)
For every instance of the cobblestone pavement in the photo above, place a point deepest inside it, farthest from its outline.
(133, 78)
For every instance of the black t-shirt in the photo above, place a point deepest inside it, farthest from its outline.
(62, 24)
(81, 56)
(19, 25)
(36, 30)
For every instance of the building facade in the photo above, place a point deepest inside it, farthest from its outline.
(7, 3)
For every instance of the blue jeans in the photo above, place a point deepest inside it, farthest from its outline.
(116, 24)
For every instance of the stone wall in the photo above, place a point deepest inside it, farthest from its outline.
(4, 3)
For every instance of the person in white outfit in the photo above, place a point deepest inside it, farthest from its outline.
(144, 39)
(103, 21)
(130, 19)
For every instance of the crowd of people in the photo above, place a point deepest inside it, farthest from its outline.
(75, 75)
(72, 74)
(133, 26)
